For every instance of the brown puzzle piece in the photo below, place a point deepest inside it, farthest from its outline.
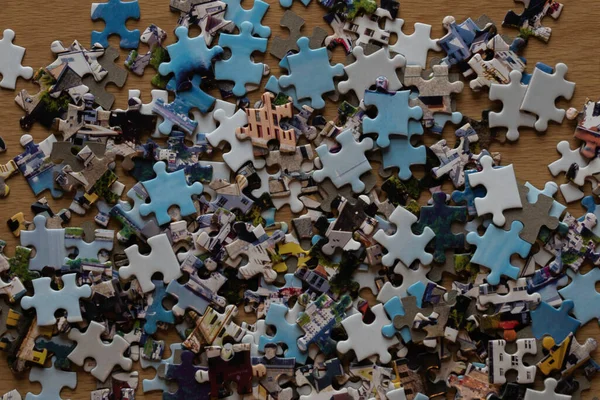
(290, 20)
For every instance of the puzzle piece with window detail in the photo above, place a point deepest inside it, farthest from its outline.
(310, 73)
(393, 112)
(502, 190)
(566, 356)
(286, 333)
(52, 380)
(529, 23)
(161, 259)
(169, 189)
(369, 29)
(366, 339)
(347, 165)
(10, 63)
(495, 248)
(578, 246)
(37, 167)
(106, 356)
(439, 217)
(239, 68)
(280, 47)
(499, 361)
(47, 301)
(115, 14)
(115, 75)
(238, 15)
(403, 244)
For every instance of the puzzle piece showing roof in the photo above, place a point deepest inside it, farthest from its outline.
(582, 291)
(499, 361)
(36, 166)
(52, 380)
(169, 189)
(495, 248)
(47, 301)
(402, 154)
(286, 333)
(403, 244)
(413, 47)
(557, 323)
(319, 318)
(368, 28)
(115, 14)
(241, 151)
(91, 345)
(310, 73)
(77, 58)
(511, 95)
(155, 311)
(49, 245)
(543, 90)
(393, 113)
(549, 392)
(529, 22)
(364, 72)
(366, 339)
(239, 68)
(238, 15)
(161, 259)
(567, 356)
(439, 217)
(502, 190)
(347, 165)
(10, 61)
(189, 57)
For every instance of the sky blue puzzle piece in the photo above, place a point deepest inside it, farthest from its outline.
(115, 14)
(288, 3)
(347, 165)
(239, 68)
(186, 299)
(274, 87)
(85, 250)
(155, 312)
(47, 301)
(417, 290)
(549, 190)
(393, 114)
(287, 333)
(53, 380)
(169, 189)
(189, 57)
(393, 307)
(49, 245)
(582, 290)
(469, 194)
(441, 119)
(238, 15)
(495, 248)
(547, 320)
(591, 207)
(310, 73)
(158, 383)
(402, 154)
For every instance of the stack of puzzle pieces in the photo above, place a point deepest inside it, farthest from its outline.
(266, 307)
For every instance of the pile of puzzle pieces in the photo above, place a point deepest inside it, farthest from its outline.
(200, 238)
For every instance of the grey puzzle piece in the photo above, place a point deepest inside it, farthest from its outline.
(116, 75)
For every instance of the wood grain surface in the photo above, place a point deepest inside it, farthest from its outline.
(37, 24)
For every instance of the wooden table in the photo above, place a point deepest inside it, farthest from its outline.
(37, 24)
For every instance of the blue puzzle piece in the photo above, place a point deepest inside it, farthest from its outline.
(286, 333)
(393, 114)
(547, 320)
(393, 307)
(115, 14)
(310, 73)
(549, 190)
(53, 380)
(169, 189)
(158, 383)
(49, 245)
(238, 15)
(591, 207)
(47, 301)
(495, 248)
(469, 194)
(274, 87)
(189, 57)
(85, 250)
(288, 3)
(156, 312)
(37, 167)
(240, 68)
(441, 119)
(402, 154)
(582, 291)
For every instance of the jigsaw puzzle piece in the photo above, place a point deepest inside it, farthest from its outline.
(238, 15)
(10, 61)
(115, 14)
